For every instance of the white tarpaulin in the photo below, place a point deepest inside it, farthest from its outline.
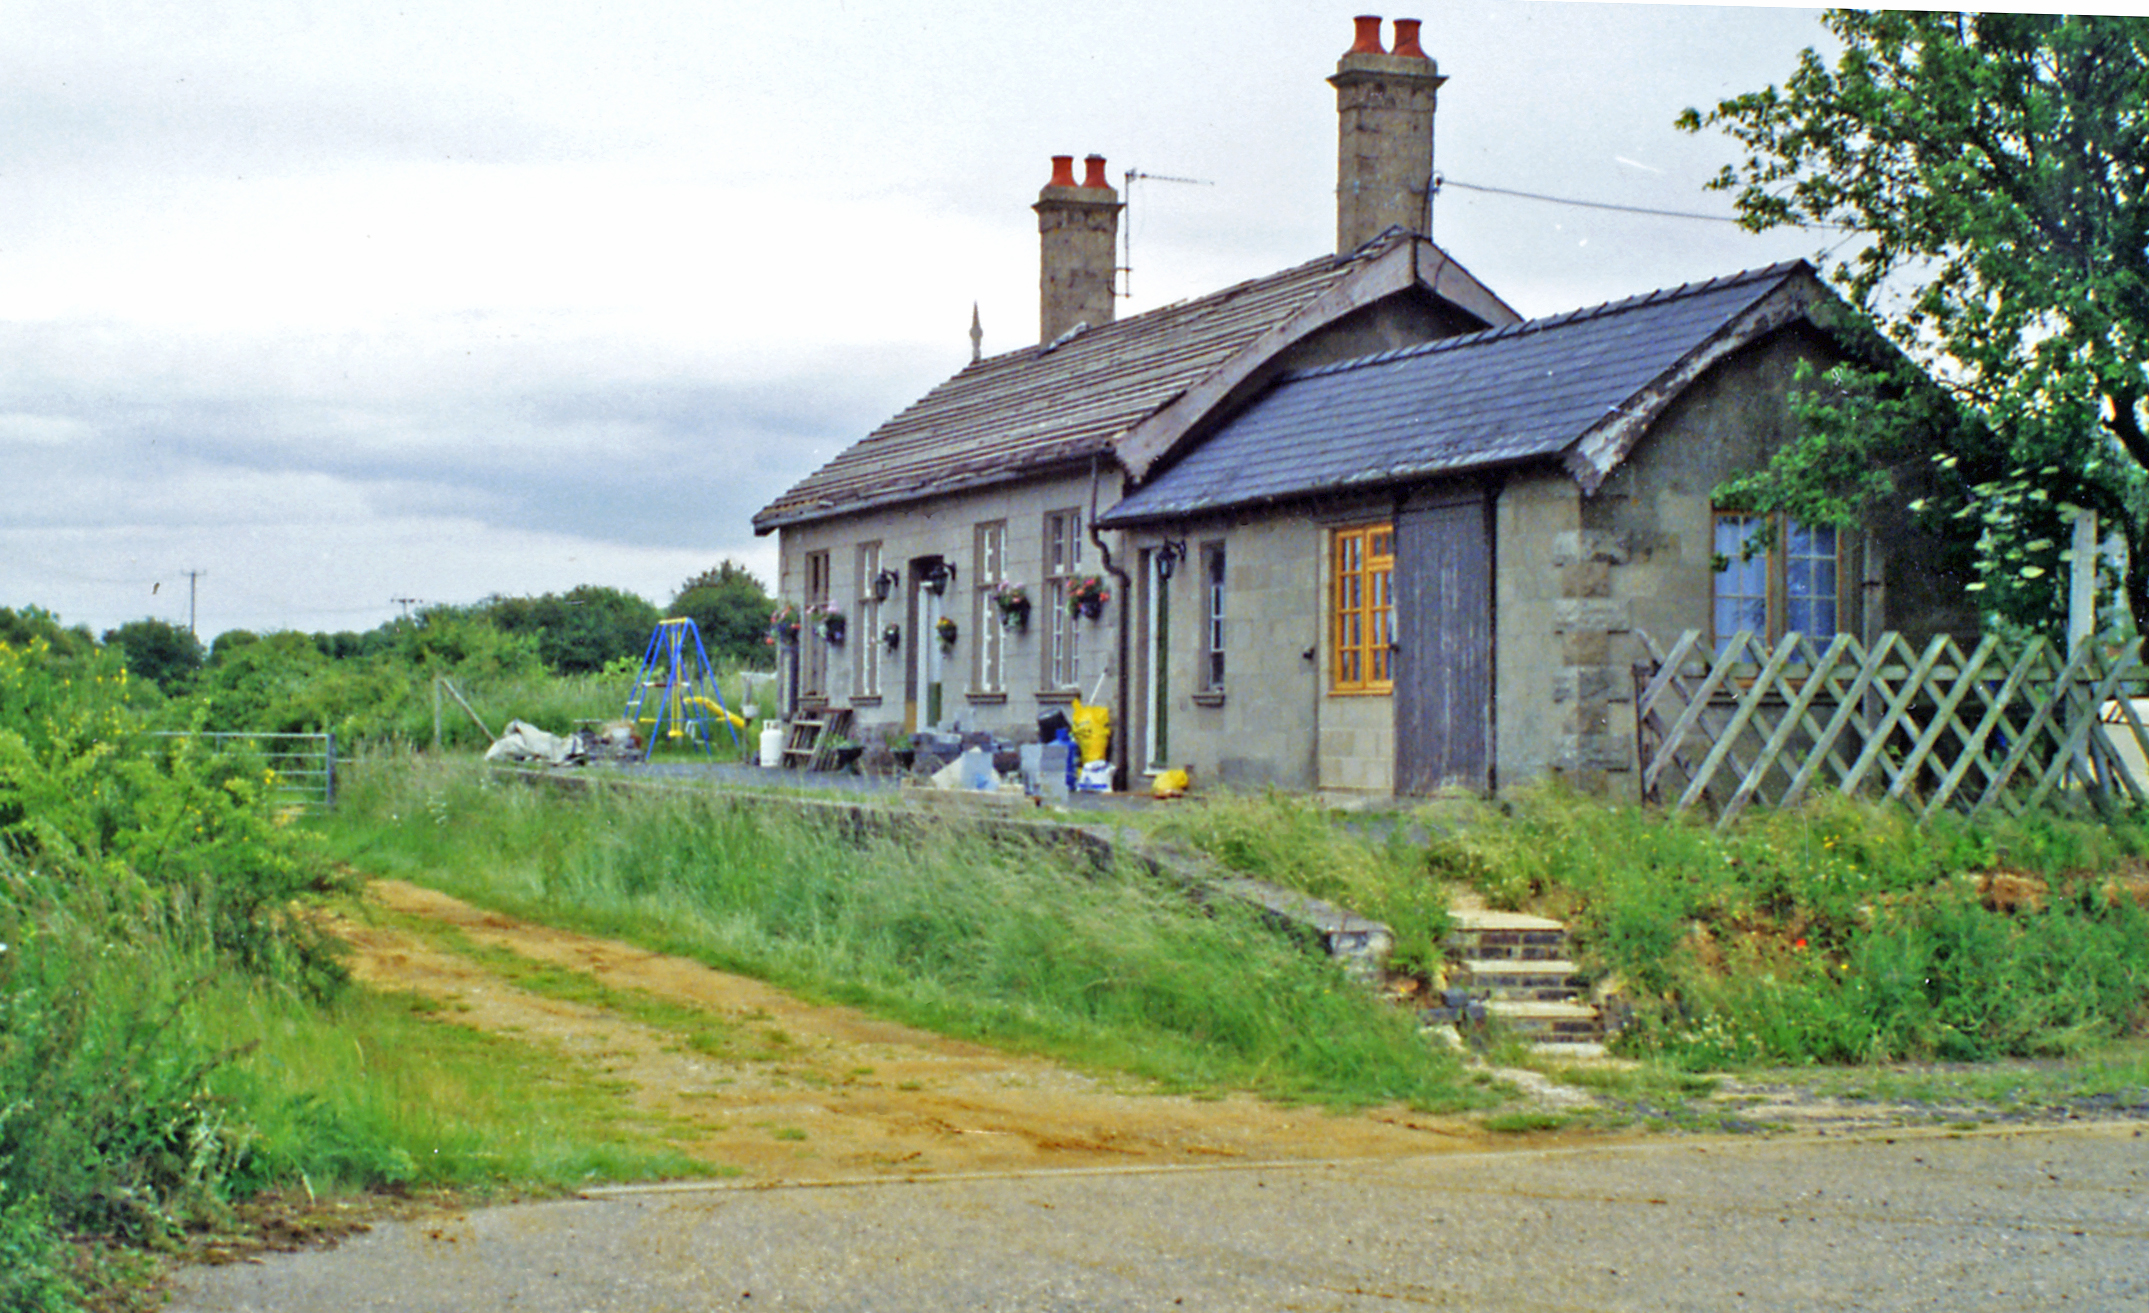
(525, 742)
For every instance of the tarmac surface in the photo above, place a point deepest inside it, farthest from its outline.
(2017, 1219)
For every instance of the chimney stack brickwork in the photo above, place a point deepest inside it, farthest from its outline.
(1078, 232)
(1384, 155)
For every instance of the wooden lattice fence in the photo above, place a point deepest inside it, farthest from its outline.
(2011, 727)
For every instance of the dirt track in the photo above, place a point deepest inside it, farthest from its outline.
(755, 1080)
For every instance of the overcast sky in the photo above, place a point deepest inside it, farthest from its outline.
(337, 303)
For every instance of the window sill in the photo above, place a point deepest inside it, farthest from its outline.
(1213, 697)
(1384, 690)
(866, 700)
(977, 699)
(1056, 697)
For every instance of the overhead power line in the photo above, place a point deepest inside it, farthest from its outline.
(1439, 182)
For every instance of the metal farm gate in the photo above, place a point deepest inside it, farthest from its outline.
(1932, 727)
(304, 764)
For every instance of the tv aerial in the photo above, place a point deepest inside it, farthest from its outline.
(1126, 231)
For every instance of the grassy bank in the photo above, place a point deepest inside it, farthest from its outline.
(996, 940)
(1835, 933)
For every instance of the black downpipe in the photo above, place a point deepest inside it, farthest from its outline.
(1123, 778)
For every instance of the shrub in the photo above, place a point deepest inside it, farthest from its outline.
(133, 870)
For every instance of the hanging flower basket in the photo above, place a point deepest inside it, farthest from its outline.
(828, 622)
(783, 625)
(1013, 604)
(947, 632)
(1086, 597)
(892, 637)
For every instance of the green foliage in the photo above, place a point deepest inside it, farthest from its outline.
(133, 870)
(731, 608)
(1836, 933)
(35, 1271)
(451, 640)
(284, 683)
(19, 629)
(943, 927)
(580, 632)
(1997, 166)
(166, 654)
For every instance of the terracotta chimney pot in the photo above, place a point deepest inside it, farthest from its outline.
(1077, 232)
(1384, 145)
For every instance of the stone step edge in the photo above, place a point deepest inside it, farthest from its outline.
(1540, 1010)
(1475, 920)
(1569, 1048)
(1517, 966)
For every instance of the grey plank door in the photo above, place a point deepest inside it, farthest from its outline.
(1444, 634)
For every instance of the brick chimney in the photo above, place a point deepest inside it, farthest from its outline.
(1384, 148)
(1078, 231)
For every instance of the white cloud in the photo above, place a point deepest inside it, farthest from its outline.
(343, 301)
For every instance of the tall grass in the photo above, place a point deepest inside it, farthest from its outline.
(1296, 842)
(371, 1090)
(944, 927)
(1837, 932)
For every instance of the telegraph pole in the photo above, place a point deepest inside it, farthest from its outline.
(193, 587)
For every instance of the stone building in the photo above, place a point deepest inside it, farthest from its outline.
(1362, 527)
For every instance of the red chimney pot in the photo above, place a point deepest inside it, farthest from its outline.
(1062, 171)
(1406, 39)
(1093, 176)
(1368, 36)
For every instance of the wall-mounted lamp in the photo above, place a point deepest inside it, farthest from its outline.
(1169, 555)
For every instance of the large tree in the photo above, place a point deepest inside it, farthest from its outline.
(168, 655)
(1994, 170)
(731, 608)
(580, 631)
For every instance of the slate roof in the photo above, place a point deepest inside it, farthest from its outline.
(1543, 388)
(1057, 404)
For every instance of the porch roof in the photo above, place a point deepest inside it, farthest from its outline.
(1579, 386)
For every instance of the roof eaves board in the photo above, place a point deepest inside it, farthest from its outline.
(1599, 451)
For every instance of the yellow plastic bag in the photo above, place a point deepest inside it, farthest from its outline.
(1170, 784)
(1092, 729)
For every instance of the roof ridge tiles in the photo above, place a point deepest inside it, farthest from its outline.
(1765, 273)
(1326, 265)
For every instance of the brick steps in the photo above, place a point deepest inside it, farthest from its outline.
(1513, 968)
